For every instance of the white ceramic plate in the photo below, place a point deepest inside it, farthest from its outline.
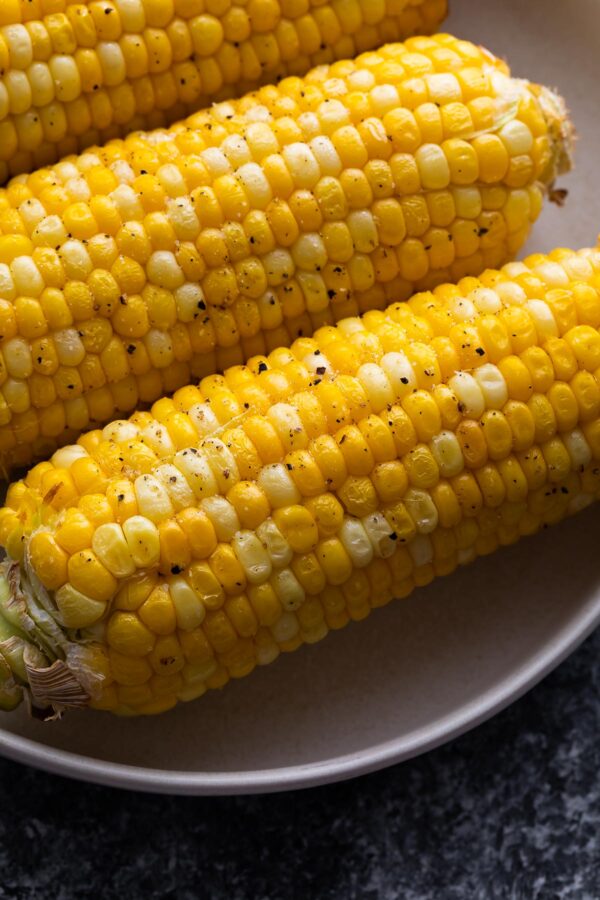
(421, 671)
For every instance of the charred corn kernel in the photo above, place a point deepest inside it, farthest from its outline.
(413, 480)
(134, 268)
(99, 66)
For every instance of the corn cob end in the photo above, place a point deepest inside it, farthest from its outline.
(562, 132)
(37, 660)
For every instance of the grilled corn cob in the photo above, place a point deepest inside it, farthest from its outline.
(130, 270)
(172, 551)
(75, 74)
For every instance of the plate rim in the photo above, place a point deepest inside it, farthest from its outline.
(330, 770)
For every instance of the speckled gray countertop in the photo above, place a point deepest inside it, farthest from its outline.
(511, 810)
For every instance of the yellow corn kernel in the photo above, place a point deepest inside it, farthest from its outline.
(157, 612)
(88, 575)
(126, 634)
(49, 561)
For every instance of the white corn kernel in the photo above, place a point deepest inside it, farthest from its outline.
(332, 115)
(400, 373)
(160, 348)
(112, 62)
(516, 137)
(76, 260)
(443, 88)
(266, 652)
(326, 155)
(421, 550)
(204, 419)
(181, 494)
(302, 164)
(164, 270)
(143, 541)
(197, 472)
(279, 266)
(552, 274)
(278, 486)
(171, 180)
(7, 284)
(493, 386)
(223, 517)
(256, 185)
(447, 453)
(26, 276)
(120, 430)
(378, 531)
(383, 98)
(78, 189)
(17, 357)
(64, 457)
(131, 15)
(31, 212)
(422, 510)
(16, 395)
(288, 589)
(377, 386)
(190, 302)
(77, 610)
(578, 448)
(152, 498)
(468, 393)
(363, 230)
(157, 437)
(288, 425)
(317, 363)
(485, 300)
(189, 609)
(69, 347)
(433, 167)
(543, 319)
(462, 308)
(510, 293)
(277, 547)
(577, 268)
(67, 81)
(184, 220)
(309, 252)
(285, 628)
(127, 202)
(252, 556)
(112, 550)
(467, 201)
(19, 45)
(49, 232)
(215, 161)
(222, 462)
(356, 542)
(122, 171)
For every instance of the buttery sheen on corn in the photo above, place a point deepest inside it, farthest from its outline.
(131, 270)
(74, 74)
(175, 550)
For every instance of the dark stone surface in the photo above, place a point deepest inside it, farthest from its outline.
(511, 810)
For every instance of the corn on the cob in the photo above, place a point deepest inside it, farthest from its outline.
(130, 270)
(75, 74)
(180, 548)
